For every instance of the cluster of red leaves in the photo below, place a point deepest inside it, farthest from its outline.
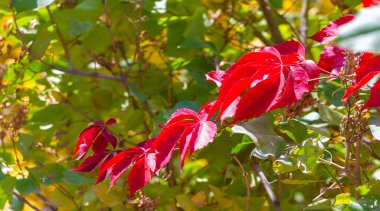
(186, 128)
(333, 57)
(269, 78)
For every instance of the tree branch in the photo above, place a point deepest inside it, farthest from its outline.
(268, 188)
(23, 199)
(304, 26)
(272, 25)
(71, 71)
(246, 180)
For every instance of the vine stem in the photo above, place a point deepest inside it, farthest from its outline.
(246, 180)
(357, 169)
(268, 188)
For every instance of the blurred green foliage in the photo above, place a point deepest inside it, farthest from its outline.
(67, 63)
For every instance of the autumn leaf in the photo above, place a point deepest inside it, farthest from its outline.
(97, 136)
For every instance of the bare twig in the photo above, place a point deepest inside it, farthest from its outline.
(304, 26)
(246, 180)
(71, 71)
(272, 25)
(268, 188)
(357, 168)
(331, 164)
(324, 191)
(334, 178)
(61, 39)
(23, 199)
(109, 26)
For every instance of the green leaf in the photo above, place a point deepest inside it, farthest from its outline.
(354, 207)
(329, 115)
(269, 145)
(41, 42)
(294, 129)
(244, 149)
(283, 165)
(7, 158)
(343, 198)
(24, 5)
(308, 155)
(372, 187)
(52, 114)
(28, 185)
(24, 145)
(199, 24)
(75, 178)
(333, 91)
(320, 204)
(6, 190)
(374, 126)
(362, 33)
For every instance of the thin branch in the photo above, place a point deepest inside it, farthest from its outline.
(357, 169)
(324, 191)
(109, 26)
(347, 160)
(272, 25)
(304, 26)
(294, 30)
(61, 39)
(331, 164)
(51, 66)
(334, 178)
(246, 180)
(268, 188)
(23, 199)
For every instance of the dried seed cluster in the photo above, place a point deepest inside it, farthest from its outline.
(354, 125)
(297, 108)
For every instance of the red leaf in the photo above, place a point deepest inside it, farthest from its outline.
(140, 174)
(216, 77)
(259, 98)
(332, 59)
(102, 175)
(329, 32)
(119, 163)
(92, 162)
(96, 135)
(290, 47)
(369, 67)
(374, 97)
(370, 3)
(254, 85)
(185, 127)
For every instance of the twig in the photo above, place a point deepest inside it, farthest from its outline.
(66, 193)
(331, 164)
(246, 180)
(23, 199)
(272, 25)
(71, 71)
(109, 26)
(268, 188)
(324, 191)
(334, 178)
(347, 160)
(61, 39)
(11, 136)
(357, 169)
(304, 26)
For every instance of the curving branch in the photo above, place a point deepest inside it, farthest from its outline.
(246, 180)
(272, 25)
(268, 188)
